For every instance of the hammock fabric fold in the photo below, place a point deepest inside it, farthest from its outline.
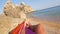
(18, 29)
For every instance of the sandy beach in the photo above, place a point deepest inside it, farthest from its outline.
(9, 23)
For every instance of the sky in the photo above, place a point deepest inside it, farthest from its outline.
(35, 4)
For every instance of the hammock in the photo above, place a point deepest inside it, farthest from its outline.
(19, 28)
(28, 31)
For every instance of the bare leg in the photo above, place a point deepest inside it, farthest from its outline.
(40, 29)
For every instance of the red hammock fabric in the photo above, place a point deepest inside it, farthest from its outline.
(18, 28)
